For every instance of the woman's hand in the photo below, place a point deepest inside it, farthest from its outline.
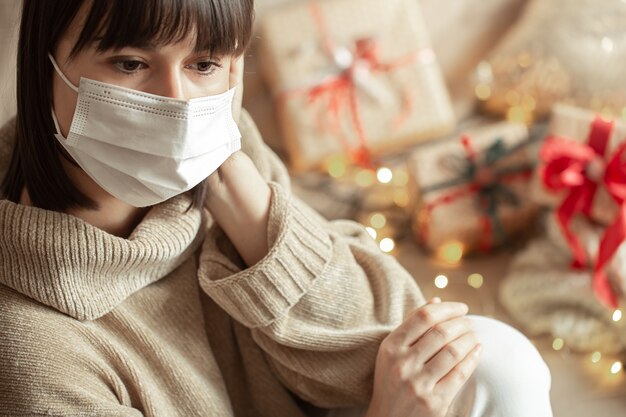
(422, 365)
(237, 195)
(239, 200)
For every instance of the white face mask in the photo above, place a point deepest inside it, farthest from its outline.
(142, 148)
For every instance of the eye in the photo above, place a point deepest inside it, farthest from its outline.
(130, 66)
(204, 67)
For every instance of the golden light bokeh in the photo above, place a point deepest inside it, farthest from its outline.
(558, 344)
(596, 357)
(483, 91)
(400, 177)
(336, 166)
(401, 198)
(475, 280)
(364, 178)
(517, 114)
(451, 252)
(378, 220)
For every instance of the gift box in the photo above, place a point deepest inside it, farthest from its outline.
(583, 174)
(352, 76)
(588, 132)
(473, 191)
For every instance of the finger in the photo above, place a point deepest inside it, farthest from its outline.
(449, 357)
(438, 337)
(236, 71)
(236, 80)
(452, 383)
(422, 319)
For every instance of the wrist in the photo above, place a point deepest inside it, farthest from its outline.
(239, 199)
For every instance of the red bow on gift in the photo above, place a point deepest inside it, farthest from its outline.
(581, 169)
(340, 89)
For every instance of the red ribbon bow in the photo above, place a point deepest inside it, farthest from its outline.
(580, 168)
(340, 89)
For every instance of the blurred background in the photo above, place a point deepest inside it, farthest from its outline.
(480, 143)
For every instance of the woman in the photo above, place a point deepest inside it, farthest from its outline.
(148, 267)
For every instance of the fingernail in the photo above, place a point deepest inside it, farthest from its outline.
(436, 300)
(479, 349)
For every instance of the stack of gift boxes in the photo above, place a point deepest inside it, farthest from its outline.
(359, 80)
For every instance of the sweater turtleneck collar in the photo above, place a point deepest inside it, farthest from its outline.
(84, 272)
(80, 270)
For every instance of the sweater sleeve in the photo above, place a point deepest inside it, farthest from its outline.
(318, 304)
(48, 372)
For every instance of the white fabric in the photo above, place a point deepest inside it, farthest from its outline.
(512, 380)
(143, 148)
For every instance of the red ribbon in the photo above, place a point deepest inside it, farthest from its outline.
(614, 236)
(341, 89)
(580, 168)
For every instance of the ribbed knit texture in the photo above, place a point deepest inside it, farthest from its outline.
(81, 270)
(169, 322)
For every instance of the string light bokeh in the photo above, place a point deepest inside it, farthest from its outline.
(382, 210)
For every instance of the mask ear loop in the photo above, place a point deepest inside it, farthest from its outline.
(68, 83)
(56, 125)
(63, 77)
(59, 135)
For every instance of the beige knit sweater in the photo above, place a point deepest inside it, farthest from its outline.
(168, 323)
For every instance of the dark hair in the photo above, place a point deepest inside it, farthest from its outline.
(223, 27)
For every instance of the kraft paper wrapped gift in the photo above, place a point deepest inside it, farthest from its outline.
(573, 128)
(473, 191)
(583, 175)
(352, 76)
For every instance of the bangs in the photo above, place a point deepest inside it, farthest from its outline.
(222, 27)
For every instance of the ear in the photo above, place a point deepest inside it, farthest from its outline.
(236, 79)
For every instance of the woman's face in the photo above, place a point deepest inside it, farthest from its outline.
(174, 70)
